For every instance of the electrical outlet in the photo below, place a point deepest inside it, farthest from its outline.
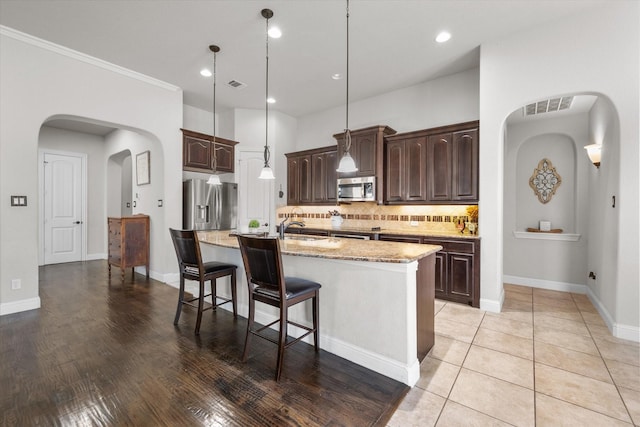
(159, 203)
(16, 284)
(413, 223)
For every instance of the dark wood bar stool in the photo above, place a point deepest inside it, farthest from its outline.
(265, 276)
(192, 268)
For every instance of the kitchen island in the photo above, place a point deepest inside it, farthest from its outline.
(376, 301)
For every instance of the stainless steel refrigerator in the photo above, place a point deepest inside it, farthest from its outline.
(209, 207)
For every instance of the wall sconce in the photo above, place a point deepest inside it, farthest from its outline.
(594, 152)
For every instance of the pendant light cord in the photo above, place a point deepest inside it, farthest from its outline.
(267, 154)
(215, 158)
(347, 134)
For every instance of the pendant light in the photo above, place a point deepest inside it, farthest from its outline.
(214, 179)
(267, 172)
(347, 164)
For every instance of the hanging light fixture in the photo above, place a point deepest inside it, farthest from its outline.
(214, 179)
(267, 172)
(347, 164)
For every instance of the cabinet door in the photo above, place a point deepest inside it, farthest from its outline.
(305, 179)
(441, 275)
(318, 177)
(196, 153)
(439, 167)
(293, 180)
(461, 276)
(364, 152)
(415, 188)
(224, 158)
(394, 171)
(331, 176)
(465, 166)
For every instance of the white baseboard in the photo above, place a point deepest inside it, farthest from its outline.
(494, 306)
(546, 284)
(18, 306)
(626, 332)
(94, 257)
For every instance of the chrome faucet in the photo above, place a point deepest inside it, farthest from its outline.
(283, 227)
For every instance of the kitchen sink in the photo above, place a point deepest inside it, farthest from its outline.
(305, 238)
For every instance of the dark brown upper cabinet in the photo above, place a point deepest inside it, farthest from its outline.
(311, 176)
(433, 166)
(367, 150)
(406, 169)
(198, 150)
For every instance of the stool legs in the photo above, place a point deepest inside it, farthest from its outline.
(282, 340)
(200, 307)
(180, 299)
(315, 310)
(252, 307)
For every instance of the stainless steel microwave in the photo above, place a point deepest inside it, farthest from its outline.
(361, 189)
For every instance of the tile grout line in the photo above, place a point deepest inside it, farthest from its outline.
(615, 384)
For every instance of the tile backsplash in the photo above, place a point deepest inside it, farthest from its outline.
(369, 214)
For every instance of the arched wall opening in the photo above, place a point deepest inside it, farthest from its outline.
(584, 227)
(113, 188)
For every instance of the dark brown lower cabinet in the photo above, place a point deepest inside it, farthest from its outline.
(457, 270)
(457, 266)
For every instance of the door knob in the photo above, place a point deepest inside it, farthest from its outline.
(78, 222)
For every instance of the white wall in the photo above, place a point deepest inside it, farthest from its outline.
(561, 141)
(93, 147)
(146, 196)
(442, 101)
(74, 85)
(604, 220)
(597, 52)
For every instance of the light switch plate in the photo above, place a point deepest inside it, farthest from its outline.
(18, 200)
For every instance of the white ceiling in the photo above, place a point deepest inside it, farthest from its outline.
(391, 42)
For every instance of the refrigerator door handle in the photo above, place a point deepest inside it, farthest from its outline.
(219, 208)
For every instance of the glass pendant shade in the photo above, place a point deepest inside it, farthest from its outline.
(347, 164)
(214, 180)
(266, 173)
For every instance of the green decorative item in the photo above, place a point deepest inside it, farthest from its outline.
(254, 223)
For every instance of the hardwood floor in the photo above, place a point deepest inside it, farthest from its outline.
(103, 352)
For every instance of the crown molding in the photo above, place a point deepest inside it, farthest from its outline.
(74, 54)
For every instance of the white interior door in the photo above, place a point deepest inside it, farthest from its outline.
(63, 208)
(254, 195)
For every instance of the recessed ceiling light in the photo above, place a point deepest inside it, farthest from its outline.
(336, 76)
(443, 37)
(205, 72)
(271, 100)
(274, 32)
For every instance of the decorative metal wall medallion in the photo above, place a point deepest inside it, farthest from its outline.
(545, 181)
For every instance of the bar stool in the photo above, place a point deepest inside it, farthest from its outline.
(267, 284)
(192, 268)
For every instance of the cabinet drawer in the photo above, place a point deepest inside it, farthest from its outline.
(452, 245)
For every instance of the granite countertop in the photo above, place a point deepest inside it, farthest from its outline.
(421, 233)
(334, 248)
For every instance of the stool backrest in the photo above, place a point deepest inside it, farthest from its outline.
(263, 263)
(187, 250)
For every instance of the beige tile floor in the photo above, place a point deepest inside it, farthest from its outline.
(547, 359)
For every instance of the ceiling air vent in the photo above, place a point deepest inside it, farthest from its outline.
(548, 105)
(236, 84)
